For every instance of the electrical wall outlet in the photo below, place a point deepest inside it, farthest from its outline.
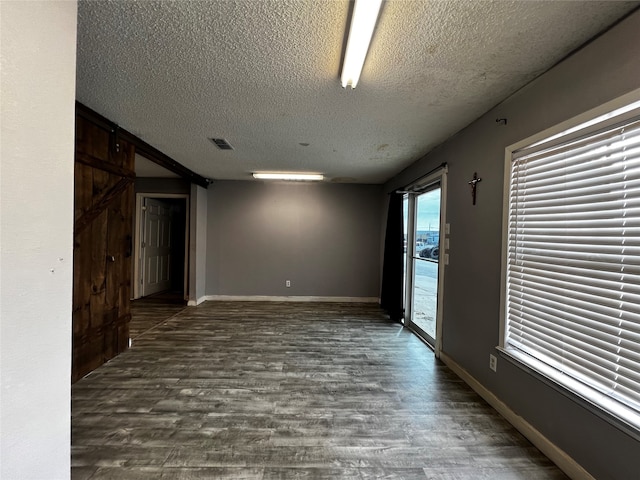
(493, 362)
(287, 283)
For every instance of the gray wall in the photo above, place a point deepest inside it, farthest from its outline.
(603, 70)
(325, 238)
(197, 244)
(36, 214)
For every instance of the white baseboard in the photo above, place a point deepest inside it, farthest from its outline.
(558, 456)
(293, 298)
(194, 303)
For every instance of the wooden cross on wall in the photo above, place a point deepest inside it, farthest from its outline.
(474, 184)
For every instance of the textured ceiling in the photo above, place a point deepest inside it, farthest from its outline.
(264, 74)
(146, 168)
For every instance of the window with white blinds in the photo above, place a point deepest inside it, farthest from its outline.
(572, 308)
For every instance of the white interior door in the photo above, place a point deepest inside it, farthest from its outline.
(156, 247)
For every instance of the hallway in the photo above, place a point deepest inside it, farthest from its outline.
(286, 390)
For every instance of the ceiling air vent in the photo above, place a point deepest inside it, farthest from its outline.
(221, 143)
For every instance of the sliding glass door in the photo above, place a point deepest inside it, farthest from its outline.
(425, 263)
(425, 256)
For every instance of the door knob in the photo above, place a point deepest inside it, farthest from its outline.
(111, 258)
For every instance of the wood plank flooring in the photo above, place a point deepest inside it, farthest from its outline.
(147, 315)
(286, 391)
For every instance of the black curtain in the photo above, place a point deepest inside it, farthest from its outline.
(391, 295)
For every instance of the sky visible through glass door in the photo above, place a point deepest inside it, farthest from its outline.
(425, 283)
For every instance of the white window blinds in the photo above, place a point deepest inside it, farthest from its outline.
(573, 266)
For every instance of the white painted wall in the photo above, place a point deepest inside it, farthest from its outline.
(38, 46)
(197, 245)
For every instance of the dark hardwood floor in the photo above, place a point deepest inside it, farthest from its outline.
(147, 313)
(282, 391)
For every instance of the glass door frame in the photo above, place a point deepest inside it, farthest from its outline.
(413, 191)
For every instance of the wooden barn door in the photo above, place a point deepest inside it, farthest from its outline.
(104, 175)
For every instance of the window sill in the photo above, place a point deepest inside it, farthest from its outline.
(614, 413)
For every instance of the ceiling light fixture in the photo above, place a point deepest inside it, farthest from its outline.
(289, 176)
(363, 21)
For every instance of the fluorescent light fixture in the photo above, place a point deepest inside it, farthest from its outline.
(363, 21)
(289, 176)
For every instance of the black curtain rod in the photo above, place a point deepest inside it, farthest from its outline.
(403, 190)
